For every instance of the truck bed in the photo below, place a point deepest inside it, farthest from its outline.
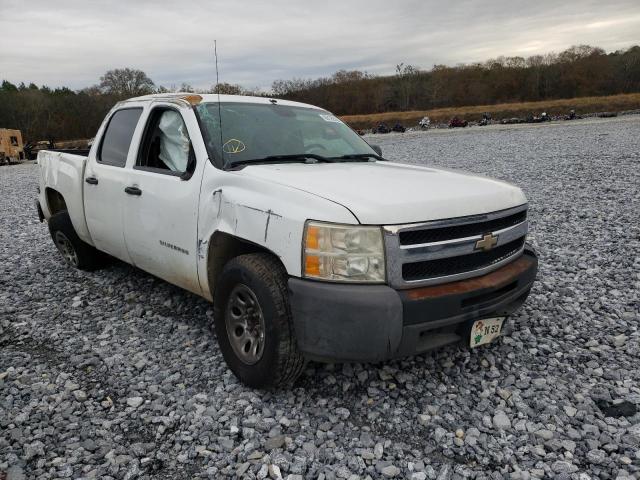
(64, 173)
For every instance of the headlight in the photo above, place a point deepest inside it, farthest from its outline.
(343, 253)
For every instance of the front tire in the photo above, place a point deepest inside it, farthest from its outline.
(252, 320)
(75, 252)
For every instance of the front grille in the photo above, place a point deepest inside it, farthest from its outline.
(442, 251)
(461, 264)
(440, 234)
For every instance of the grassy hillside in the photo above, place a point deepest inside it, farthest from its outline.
(581, 105)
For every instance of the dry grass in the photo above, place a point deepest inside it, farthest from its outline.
(581, 105)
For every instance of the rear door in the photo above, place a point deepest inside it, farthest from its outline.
(105, 180)
(161, 211)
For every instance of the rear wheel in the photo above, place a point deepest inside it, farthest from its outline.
(74, 251)
(252, 320)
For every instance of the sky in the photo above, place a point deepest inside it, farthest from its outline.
(72, 43)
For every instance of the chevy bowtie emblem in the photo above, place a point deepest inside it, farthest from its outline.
(487, 243)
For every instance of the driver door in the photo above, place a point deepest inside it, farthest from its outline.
(161, 210)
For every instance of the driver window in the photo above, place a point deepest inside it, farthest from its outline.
(166, 146)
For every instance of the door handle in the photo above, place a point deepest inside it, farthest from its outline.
(133, 191)
(91, 180)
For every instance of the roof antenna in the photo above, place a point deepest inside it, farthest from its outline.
(215, 51)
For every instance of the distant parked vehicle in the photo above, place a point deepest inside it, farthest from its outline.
(425, 123)
(543, 117)
(607, 114)
(11, 147)
(457, 123)
(511, 121)
(381, 128)
(486, 118)
(399, 128)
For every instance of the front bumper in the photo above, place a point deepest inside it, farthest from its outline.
(342, 322)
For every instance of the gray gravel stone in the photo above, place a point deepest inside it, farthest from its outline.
(35, 449)
(274, 442)
(80, 395)
(135, 402)
(390, 471)
(596, 456)
(424, 419)
(501, 421)
(16, 473)
(544, 434)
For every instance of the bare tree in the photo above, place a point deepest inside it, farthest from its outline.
(407, 76)
(126, 82)
(227, 89)
(185, 87)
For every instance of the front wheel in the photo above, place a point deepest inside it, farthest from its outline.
(252, 320)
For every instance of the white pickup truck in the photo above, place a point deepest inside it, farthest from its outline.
(307, 241)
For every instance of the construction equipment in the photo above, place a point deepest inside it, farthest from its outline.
(11, 147)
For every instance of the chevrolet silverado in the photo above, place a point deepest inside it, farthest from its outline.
(308, 242)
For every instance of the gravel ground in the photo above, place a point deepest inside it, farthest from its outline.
(114, 374)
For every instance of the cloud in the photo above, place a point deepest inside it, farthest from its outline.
(71, 43)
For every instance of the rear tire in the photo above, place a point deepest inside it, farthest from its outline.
(75, 252)
(253, 323)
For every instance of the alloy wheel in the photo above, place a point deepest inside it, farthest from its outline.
(245, 324)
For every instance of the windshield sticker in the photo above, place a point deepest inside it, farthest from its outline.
(330, 118)
(233, 145)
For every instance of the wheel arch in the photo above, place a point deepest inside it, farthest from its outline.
(55, 201)
(223, 247)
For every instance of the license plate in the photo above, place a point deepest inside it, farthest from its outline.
(485, 330)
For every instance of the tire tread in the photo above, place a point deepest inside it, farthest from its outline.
(267, 268)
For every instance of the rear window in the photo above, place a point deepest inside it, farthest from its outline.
(117, 138)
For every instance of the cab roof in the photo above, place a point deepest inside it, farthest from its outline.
(197, 98)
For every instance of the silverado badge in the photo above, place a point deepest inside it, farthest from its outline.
(487, 242)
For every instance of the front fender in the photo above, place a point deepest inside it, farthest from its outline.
(261, 212)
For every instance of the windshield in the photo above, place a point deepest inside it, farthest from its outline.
(253, 132)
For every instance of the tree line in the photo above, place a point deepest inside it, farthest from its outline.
(576, 72)
(43, 113)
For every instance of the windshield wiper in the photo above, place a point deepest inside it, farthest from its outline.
(295, 158)
(305, 158)
(363, 157)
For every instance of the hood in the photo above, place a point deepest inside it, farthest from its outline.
(386, 193)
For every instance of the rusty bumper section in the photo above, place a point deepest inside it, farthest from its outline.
(341, 322)
(498, 278)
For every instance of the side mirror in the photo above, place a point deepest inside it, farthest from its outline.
(377, 149)
(191, 166)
